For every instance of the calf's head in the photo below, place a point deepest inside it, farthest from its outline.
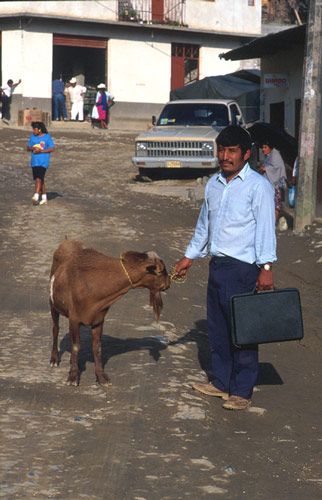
(160, 281)
(153, 275)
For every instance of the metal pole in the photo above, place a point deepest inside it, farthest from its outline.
(305, 202)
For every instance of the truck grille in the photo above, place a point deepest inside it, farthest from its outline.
(186, 149)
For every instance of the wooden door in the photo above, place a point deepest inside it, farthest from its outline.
(157, 10)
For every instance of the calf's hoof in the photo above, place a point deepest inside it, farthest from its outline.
(73, 379)
(54, 359)
(103, 379)
(73, 382)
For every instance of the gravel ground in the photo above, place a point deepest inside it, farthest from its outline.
(148, 436)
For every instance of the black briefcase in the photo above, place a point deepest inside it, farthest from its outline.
(262, 317)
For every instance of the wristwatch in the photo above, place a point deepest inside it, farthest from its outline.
(266, 267)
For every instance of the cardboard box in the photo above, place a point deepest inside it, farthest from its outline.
(26, 116)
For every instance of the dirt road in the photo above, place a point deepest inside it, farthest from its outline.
(148, 436)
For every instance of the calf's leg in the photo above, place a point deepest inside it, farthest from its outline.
(54, 352)
(75, 347)
(97, 331)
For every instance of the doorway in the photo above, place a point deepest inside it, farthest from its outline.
(277, 114)
(84, 58)
(184, 64)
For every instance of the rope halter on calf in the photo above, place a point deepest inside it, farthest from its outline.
(127, 274)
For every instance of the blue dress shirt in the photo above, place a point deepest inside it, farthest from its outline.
(237, 219)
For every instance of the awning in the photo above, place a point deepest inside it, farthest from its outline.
(267, 45)
(79, 41)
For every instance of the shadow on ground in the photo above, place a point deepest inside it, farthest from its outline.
(113, 346)
(51, 195)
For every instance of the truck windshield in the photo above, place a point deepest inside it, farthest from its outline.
(194, 114)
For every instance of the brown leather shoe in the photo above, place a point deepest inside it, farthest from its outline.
(237, 403)
(210, 390)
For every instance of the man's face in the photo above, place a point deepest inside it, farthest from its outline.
(232, 160)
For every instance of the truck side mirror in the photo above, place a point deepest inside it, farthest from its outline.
(239, 120)
(154, 120)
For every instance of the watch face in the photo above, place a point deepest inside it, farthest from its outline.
(267, 267)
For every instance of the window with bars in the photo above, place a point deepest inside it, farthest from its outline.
(185, 50)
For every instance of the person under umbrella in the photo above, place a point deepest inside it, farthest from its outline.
(273, 169)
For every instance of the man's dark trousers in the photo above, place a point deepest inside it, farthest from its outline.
(235, 370)
(6, 107)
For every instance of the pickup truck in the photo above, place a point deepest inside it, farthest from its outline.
(184, 135)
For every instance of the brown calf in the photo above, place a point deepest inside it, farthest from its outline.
(85, 283)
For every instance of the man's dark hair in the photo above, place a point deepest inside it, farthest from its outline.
(10, 82)
(234, 135)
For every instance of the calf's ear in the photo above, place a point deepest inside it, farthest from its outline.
(151, 269)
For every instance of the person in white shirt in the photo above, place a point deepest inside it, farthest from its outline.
(76, 93)
(6, 93)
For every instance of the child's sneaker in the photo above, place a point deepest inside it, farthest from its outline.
(35, 200)
(43, 202)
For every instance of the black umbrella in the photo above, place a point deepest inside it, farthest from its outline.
(281, 140)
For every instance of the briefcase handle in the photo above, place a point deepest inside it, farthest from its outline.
(256, 290)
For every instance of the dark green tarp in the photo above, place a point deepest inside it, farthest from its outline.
(244, 91)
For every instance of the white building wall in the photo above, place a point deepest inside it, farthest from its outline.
(211, 65)
(233, 16)
(12, 57)
(107, 9)
(288, 63)
(28, 56)
(139, 71)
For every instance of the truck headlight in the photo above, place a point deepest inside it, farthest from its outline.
(207, 146)
(141, 148)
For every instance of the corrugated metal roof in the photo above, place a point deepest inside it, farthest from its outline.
(267, 45)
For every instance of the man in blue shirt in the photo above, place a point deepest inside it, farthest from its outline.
(59, 99)
(236, 226)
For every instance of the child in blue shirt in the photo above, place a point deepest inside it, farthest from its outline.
(40, 145)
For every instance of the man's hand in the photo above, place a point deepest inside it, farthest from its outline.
(182, 266)
(265, 280)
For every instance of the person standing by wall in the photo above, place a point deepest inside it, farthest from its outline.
(6, 96)
(59, 100)
(236, 226)
(40, 145)
(76, 93)
(273, 169)
(103, 101)
(101, 105)
(110, 103)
